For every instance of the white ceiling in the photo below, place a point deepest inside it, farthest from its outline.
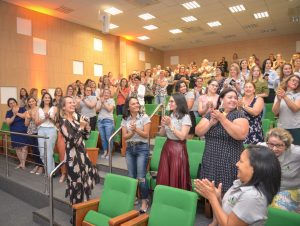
(168, 13)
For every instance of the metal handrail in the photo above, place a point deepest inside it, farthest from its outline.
(118, 130)
(5, 132)
(51, 209)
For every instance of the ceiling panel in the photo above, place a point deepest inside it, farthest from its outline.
(168, 13)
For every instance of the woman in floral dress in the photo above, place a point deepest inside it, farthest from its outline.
(82, 175)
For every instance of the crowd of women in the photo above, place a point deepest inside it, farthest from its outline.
(231, 107)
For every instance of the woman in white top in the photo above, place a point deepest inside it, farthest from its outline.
(272, 78)
(46, 127)
(287, 106)
(173, 169)
(234, 80)
(106, 125)
(244, 69)
(181, 87)
(246, 202)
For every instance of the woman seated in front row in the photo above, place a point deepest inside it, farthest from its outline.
(280, 142)
(246, 202)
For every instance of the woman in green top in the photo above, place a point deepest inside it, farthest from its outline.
(260, 83)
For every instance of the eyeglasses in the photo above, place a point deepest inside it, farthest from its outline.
(295, 80)
(278, 146)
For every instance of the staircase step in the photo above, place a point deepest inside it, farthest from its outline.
(41, 217)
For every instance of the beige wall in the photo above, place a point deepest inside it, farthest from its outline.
(66, 42)
(261, 47)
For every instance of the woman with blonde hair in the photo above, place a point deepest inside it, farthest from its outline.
(280, 142)
(260, 83)
(287, 106)
(235, 80)
(58, 94)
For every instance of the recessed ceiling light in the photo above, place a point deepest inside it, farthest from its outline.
(113, 11)
(150, 27)
(261, 15)
(214, 24)
(191, 5)
(237, 8)
(113, 26)
(146, 16)
(189, 18)
(143, 37)
(175, 31)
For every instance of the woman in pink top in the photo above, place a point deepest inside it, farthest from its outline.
(210, 99)
(122, 93)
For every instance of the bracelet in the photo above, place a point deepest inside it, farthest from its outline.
(172, 128)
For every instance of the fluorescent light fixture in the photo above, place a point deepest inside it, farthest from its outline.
(143, 37)
(150, 27)
(189, 18)
(191, 5)
(146, 16)
(237, 8)
(175, 31)
(214, 24)
(261, 15)
(113, 11)
(113, 26)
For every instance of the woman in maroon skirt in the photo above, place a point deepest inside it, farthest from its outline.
(173, 167)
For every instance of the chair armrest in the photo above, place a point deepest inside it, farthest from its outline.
(141, 220)
(84, 223)
(81, 209)
(117, 221)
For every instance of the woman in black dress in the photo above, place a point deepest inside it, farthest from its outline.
(82, 175)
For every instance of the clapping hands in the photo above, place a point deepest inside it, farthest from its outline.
(207, 189)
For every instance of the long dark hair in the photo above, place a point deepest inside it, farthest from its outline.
(26, 93)
(182, 108)
(126, 112)
(266, 171)
(42, 105)
(223, 93)
(177, 86)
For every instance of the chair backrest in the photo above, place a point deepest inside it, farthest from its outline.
(118, 195)
(266, 126)
(5, 126)
(195, 150)
(278, 217)
(172, 206)
(149, 108)
(198, 119)
(269, 113)
(118, 121)
(158, 145)
(93, 140)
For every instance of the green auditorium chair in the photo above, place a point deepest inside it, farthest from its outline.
(118, 121)
(266, 126)
(269, 113)
(90, 147)
(115, 206)
(278, 217)
(149, 108)
(170, 207)
(4, 127)
(154, 161)
(195, 150)
(155, 120)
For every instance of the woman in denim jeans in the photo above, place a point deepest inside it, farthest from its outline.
(106, 120)
(135, 130)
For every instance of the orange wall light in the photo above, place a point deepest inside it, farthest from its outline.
(128, 37)
(40, 9)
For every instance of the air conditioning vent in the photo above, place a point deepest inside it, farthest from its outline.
(143, 3)
(229, 36)
(210, 33)
(250, 26)
(64, 9)
(191, 29)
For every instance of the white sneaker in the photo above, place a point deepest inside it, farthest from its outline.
(107, 157)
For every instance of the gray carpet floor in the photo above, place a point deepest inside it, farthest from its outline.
(15, 212)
